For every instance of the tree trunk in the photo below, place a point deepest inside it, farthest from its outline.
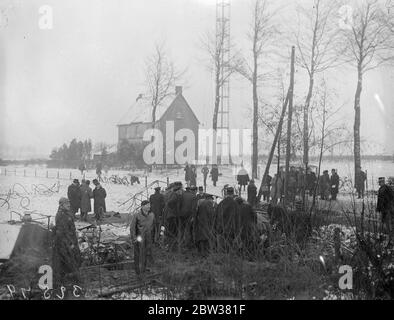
(255, 119)
(357, 121)
(306, 134)
(215, 116)
(289, 120)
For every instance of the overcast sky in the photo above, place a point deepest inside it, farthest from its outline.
(80, 77)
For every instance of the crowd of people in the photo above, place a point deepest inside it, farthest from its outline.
(325, 186)
(183, 217)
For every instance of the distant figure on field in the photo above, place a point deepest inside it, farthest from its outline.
(242, 178)
(214, 174)
(193, 175)
(82, 168)
(360, 184)
(99, 168)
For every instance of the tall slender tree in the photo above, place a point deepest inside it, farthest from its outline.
(369, 43)
(262, 34)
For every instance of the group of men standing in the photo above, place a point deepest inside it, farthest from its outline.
(80, 195)
(190, 218)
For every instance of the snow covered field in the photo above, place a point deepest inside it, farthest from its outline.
(32, 191)
(29, 185)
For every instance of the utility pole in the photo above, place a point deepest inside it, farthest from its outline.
(289, 121)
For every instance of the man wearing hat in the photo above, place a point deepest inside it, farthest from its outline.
(334, 182)
(157, 206)
(66, 255)
(385, 205)
(141, 235)
(172, 212)
(99, 195)
(228, 220)
(74, 195)
(86, 196)
(188, 210)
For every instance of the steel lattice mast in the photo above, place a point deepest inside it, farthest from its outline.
(223, 40)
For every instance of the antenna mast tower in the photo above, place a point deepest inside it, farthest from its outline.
(223, 40)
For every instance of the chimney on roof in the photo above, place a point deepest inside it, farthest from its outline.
(178, 90)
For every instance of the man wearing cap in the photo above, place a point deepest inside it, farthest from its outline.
(172, 210)
(248, 227)
(188, 210)
(203, 223)
(66, 255)
(86, 195)
(141, 235)
(74, 195)
(252, 193)
(157, 206)
(385, 205)
(228, 220)
(99, 195)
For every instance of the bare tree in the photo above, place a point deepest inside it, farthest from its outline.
(316, 39)
(262, 33)
(369, 43)
(161, 77)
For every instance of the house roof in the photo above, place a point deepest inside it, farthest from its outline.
(141, 110)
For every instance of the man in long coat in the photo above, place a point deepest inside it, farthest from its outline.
(157, 206)
(385, 205)
(227, 224)
(203, 223)
(74, 195)
(214, 174)
(252, 193)
(248, 227)
(242, 178)
(171, 213)
(66, 258)
(187, 211)
(99, 195)
(334, 182)
(86, 195)
(141, 236)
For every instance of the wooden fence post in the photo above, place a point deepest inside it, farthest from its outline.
(168, 181)
(146, 181)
